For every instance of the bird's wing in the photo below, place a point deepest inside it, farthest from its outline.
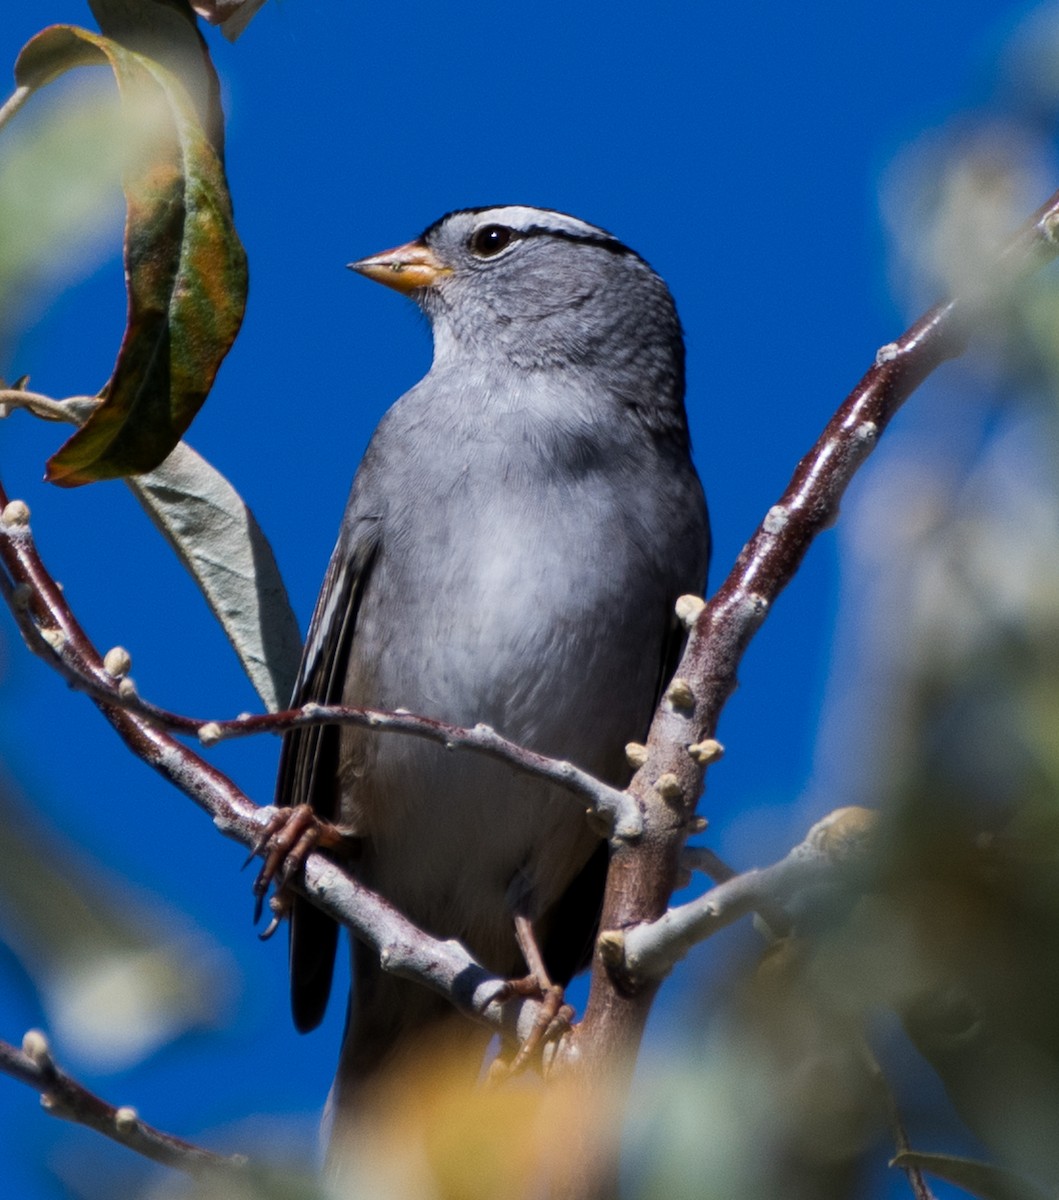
(309, 758)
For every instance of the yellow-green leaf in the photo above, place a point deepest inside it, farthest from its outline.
(185, 267)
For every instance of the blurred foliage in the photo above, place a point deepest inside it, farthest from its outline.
(118, 973)
(429, 1129)
(944, 715)
(61, 209)
(944, 709)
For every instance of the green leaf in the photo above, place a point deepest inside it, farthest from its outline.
(219, 541)
(184, 265)
(980, 1179)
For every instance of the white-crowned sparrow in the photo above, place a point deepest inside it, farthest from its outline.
(516, 536)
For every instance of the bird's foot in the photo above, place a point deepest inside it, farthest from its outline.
(553, 1019)
(286, 841)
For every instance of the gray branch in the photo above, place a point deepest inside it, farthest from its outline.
(650, 950)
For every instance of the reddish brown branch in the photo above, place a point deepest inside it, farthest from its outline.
(63, 1096)
(643, 874)
(810, 503)
(618, 812)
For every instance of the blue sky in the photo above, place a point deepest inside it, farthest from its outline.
(740, 150)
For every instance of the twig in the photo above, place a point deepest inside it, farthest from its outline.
(773, 922)
(650, 950)
(72, 410)
(702, 858)
(920, 1188)
(404, 949)
(13, 103)
(618, 811)
(62, 1096)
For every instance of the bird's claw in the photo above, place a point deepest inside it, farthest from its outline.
(280, 906)
(286, 841)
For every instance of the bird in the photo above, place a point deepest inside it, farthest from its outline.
(515, 539)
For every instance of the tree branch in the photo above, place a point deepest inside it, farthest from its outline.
(913, 1172)
(42, 611)
(618, 813)
(13, 103)
(649, 951)
(62, 1096)
(643, 874)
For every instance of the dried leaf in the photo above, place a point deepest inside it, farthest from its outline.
(184, 265)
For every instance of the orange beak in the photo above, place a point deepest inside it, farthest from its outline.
(406, 268)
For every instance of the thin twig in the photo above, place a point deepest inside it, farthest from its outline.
(702, 858)
(13, 103)
(618, 811)
(920, 1188)
(33, 595)
(62, 1096)
(74, 410)
(773, 921)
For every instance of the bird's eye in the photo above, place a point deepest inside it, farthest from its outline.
(490, 240)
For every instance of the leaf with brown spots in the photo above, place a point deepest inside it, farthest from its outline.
(185, 267)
